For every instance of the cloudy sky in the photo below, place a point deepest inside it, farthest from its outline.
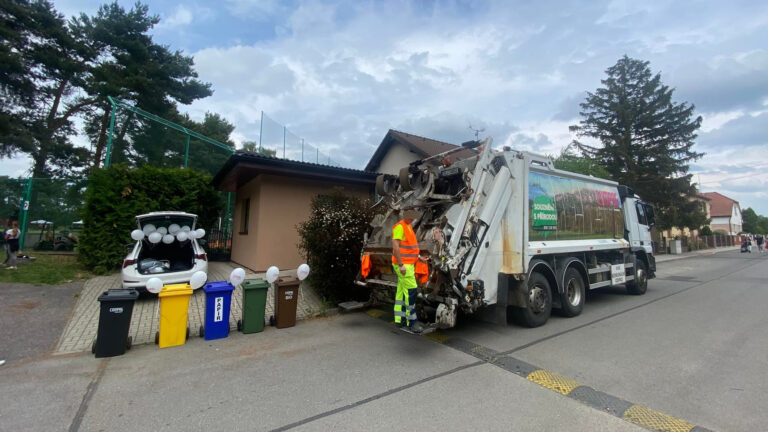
(340, 74)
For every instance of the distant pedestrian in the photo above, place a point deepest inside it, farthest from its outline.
(12, 245)
(759, 240)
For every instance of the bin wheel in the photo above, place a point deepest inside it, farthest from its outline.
(129, 342)
(202, 331)
(239, 325)
(157, 337)
(187, 335)
(93, 347)
(272, 320)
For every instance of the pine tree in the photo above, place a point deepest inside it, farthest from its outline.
(646, 139)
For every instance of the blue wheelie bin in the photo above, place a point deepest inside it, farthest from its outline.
(218, 297)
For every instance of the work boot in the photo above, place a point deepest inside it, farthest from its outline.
(399, 324)
(416, 327)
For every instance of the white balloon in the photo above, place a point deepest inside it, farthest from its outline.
(182, 236)
(173, 228)
(237, 276)
(185, 228)
(198, 279)
(154, 285)
(191, 235)
(302, 272)
(162, 230)
(168, 239)
(155, 237)
(148, 228)
(137, 234)
(272, 274)
(200, 233)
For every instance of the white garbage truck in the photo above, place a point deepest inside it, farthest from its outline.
(507, 236)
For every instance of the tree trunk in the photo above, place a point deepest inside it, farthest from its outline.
(101, 142)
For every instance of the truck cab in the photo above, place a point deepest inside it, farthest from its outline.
(639, 218)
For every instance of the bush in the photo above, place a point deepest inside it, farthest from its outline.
(116, 195)
(706, 230)
(331, 241)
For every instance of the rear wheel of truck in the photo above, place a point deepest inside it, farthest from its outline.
(639, 285)
(538, 301)
(572, 297)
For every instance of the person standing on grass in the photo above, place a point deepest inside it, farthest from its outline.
(12, 244)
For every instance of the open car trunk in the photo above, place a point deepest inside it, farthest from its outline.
(165, 258)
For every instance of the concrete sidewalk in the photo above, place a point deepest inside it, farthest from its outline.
(670, 257)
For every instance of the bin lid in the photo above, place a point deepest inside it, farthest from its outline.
(119, 295)
(288, 281)
(250, 284)
(218, 286)
(175, 289)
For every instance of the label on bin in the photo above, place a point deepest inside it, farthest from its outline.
(219, 310)
(116, 310)
(289, 295)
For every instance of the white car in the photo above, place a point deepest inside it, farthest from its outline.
(172, 261)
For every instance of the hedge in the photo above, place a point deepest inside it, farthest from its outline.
(116, 195)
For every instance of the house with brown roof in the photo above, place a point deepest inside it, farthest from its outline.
(398, 149)
(725, 213)
(273, 196)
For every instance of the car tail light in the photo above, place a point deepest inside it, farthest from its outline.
(128, 262)
(202, 256)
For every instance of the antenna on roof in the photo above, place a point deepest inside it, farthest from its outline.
(476, 131)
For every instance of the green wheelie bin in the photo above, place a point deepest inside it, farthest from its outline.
(254, 304)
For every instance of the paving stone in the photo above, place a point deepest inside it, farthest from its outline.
(80, 331)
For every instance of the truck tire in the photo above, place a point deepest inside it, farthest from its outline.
(574, 291)
(639, 285)
(538, 302)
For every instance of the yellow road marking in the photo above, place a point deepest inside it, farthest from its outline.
(553, 381)
(437, 336)
(655, 420)
(376, 313)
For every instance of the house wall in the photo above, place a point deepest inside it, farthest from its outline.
(278, 204)
(397, 157)
(736, 221)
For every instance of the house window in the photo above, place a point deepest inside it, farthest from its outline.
(244, 216)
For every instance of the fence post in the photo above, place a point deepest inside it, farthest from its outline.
(25, 212)
(261, 130)
(283, 142)
(186, 154)
(111, 132)
(302, 149)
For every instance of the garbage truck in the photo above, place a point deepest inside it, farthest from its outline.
(508, 237)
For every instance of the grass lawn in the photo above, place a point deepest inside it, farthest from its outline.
(47, 269)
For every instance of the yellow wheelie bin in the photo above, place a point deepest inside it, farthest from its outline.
(174, 304)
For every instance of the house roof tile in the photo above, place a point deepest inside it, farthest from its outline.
(720, 205)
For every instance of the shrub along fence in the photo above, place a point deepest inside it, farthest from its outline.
(116, 195)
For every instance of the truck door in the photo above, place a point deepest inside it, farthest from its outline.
(645, 221)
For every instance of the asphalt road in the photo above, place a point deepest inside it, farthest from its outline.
(694, 347)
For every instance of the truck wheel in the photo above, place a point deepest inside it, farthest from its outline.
(572, 297)
(639, 285)
(538, 301)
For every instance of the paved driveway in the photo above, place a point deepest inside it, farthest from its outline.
(80, 332)
(31, 317)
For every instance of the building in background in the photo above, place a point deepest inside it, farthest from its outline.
(725, 213)
(398, 149)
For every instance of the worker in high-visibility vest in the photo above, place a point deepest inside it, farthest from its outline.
(405, 254)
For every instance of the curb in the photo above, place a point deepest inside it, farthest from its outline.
(697, 254)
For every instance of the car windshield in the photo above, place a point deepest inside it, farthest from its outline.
(167, 220)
